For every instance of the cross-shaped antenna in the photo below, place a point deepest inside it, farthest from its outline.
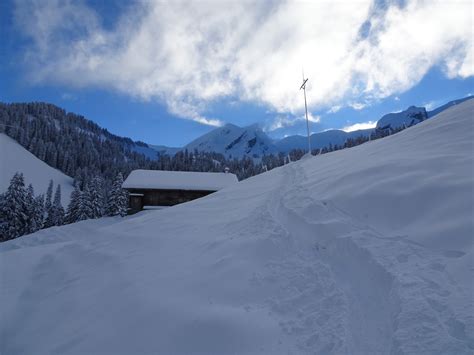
(303, 86)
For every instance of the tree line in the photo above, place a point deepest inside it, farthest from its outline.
(21, 212)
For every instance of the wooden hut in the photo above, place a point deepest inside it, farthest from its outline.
(169, 188)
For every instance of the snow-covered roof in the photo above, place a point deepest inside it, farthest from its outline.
(178, 180)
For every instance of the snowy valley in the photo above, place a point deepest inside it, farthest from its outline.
(367, 250)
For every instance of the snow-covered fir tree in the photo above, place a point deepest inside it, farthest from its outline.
(32, 225)
(96, 197)
(49, 196)
(38, 215)
(85, 207)
(58, 207)
(118, 199)
(56, 212)
(72, 213)
(14, 210)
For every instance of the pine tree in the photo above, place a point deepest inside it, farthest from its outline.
(30, 205)
(56, 212)
(118, 200)
(96, 197)
(84, 208)
(39, 212)
(49, 196)
(14, 209)
(48, 206)
(58, 207)
(72, 214)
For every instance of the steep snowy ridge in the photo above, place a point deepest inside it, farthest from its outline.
(411, 116)
(367, 250)
(14, 158)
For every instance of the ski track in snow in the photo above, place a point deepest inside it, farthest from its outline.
(354, 282)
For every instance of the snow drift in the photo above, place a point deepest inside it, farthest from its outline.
(368, 250)
(14, 158)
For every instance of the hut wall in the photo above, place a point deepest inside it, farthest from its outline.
(168, 197)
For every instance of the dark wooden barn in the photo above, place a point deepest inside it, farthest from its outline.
(169, 188)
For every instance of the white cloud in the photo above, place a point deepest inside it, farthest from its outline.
(357, 105)
(358, 126)
(312, 118)
(191, 111)
(188, 54)
(334, 109)
(282, 121)
(66, 96)
(429, 105)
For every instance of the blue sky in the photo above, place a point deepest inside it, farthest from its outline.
(165, 73)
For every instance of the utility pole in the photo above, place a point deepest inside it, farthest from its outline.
(303, 86)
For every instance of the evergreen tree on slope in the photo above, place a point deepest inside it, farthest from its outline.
(73, 210)
(118, 200)
(48, 206)
(96, 197)
(14, 209)
(56, 212)
(84, 206)
(49, 196)
(31, 208)
(39, 212)
(58, 207)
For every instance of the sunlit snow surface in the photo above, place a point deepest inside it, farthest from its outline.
(368, 250)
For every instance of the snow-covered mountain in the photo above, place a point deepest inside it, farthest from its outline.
(359, 251)
(251, 141)
(411, 116)
(14, 158)
(234, 141)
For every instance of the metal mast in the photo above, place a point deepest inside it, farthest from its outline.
(303, 86)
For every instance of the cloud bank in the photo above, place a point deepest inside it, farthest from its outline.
(359, 126)
(190, 54)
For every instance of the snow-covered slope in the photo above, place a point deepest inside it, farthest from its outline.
(448, 105)
(367, 250)
(234, 141)
(14, 158)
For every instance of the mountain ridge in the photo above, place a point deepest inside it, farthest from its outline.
(231, 140)
(246, 141)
